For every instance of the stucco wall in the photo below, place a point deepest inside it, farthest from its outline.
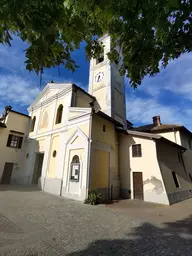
(187, 155)
(105, 141)
(182, 139)
(153, 186)
(109, 137)
(53, 161)
(171, 135)
(168, 162)
(17, 123)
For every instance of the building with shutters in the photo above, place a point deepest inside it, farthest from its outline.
(13, 129)
(79, 140)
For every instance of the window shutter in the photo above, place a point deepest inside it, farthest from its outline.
(9, 140)
(20, 142)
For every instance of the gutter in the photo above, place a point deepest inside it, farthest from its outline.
(89, 153)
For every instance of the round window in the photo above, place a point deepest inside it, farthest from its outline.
(54, 153)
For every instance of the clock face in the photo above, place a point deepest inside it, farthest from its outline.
(99, 77)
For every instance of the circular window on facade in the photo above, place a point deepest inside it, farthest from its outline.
(54, 153)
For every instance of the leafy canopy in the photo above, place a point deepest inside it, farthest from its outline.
(149, 32)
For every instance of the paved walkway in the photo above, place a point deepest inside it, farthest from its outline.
(34, 223)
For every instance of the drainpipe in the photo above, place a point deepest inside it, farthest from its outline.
(89, 153)
(183, 151)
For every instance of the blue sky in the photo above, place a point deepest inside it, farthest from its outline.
(168, 94)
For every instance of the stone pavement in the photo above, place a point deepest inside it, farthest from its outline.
(34, 223)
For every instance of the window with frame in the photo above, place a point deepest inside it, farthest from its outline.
(59, 114)
(75, 168)
(175, 180)
(136, 150)
(14, 141)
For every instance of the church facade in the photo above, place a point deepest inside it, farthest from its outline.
(79, 140)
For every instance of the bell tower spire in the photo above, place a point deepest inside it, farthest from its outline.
(107, 85)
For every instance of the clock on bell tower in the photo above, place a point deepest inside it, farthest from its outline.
(107, 85)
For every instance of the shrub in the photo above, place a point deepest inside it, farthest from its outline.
(93, 197)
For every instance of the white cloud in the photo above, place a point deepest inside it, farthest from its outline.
(141, 111)
(17, 89)
(176, 78)
(13, 58)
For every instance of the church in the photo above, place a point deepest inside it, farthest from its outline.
(77, 140)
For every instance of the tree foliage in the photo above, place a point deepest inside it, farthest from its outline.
(149, 32)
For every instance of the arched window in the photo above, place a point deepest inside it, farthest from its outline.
(75, 168)
(33, 123)
(59, 114)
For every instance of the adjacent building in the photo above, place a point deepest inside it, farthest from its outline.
(13, 131)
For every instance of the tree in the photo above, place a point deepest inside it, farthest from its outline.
(149, 32)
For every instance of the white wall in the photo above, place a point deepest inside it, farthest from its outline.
(154, 190)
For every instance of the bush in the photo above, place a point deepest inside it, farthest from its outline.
(93, 197)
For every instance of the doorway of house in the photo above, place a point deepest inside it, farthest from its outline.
(7, 172)
(138, 185)
(37, 167)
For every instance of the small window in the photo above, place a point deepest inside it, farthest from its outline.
(14, 141)
(54, 153)
(100, 58)
(175, 179)
(104, 128)
(190, 176)
(33, 124)
(136, 150)
(59, 114)
(75, 168)
(189, 144)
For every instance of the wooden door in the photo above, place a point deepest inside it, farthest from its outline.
(138, 185)
(7, 172)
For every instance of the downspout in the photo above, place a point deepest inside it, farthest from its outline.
(89, 152)
(183, 151)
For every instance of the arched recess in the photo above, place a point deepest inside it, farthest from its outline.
(59, 114)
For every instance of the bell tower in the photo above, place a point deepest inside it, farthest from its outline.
(107, 85)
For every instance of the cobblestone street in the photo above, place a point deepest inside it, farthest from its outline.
(35, 223)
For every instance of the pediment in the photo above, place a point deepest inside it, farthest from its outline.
(50, 90)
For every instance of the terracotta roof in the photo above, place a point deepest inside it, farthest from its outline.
(156, 128)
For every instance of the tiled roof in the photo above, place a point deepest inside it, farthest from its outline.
(156, 128)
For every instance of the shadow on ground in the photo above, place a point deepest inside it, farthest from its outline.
(173, 238)
(20, 188)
